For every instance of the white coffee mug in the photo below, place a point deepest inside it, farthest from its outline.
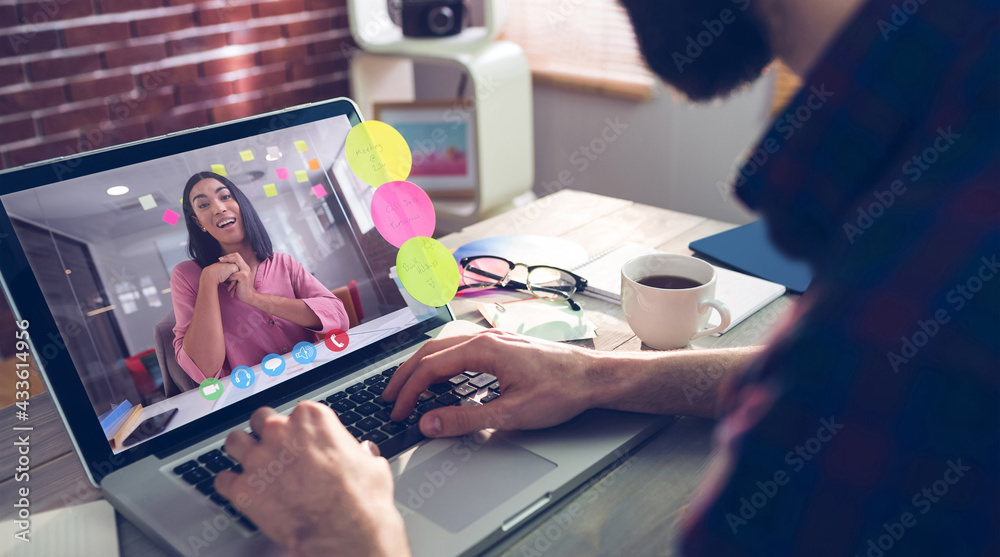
(666, 318)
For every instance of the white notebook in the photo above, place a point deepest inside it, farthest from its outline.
(79, 531)
(744, 294)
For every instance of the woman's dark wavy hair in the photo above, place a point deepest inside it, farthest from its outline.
(202, 247)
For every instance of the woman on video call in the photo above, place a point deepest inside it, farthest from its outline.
(238, 301)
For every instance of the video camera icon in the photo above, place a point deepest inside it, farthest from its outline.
(211, 388)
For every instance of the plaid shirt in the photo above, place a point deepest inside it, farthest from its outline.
(870, 427)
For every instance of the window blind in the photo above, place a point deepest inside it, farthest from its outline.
(581, 43)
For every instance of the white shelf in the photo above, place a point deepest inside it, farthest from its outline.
(391, 41)
(499, 78)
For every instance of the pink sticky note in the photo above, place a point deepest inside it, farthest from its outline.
(282, 173)
(170, 217)
(318, 190)
(401, 210)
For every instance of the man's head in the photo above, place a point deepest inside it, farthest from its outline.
(703, 48)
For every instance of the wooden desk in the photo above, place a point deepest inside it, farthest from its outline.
(630, 509)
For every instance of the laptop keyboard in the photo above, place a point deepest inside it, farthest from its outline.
(361, 409)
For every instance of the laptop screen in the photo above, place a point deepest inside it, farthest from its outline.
(134, 263)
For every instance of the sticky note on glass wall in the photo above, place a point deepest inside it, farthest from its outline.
(270, 190)
(301, 146)
(428, 271)
(319, 191)
(301, 175)
(247, 155)
(219, 169)
(170, 217)
(377, 153)
(147, 202)
(314, 164)
(282, 173)
(401, 210)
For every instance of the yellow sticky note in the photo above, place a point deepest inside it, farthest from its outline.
(314, 164)
(377, 153)
(427, 270)
(302, 175)
(301, 146)
(219, 169)
(247, 155)
(270, 190)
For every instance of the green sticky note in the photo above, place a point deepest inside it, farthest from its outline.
(301, 146)
(302, 175)
(247, 155)
(219, 169)
(147, 202)
(270, 190)
(427, 270)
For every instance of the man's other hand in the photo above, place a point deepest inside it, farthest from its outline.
(311, 487)
(542, 383)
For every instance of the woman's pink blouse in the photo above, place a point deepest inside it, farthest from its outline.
(249, 333)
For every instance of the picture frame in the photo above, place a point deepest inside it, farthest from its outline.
(442, 138)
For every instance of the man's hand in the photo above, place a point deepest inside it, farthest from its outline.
(311, 487)
(542, 383)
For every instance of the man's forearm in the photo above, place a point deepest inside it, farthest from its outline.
(684, 382)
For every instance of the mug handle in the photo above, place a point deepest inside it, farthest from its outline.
(723, 310)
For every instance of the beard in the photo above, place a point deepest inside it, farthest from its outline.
(703, 48)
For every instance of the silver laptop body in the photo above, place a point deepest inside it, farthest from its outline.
(458, 496)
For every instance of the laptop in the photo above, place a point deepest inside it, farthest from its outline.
(88, 246)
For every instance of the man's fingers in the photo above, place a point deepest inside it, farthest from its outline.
(224, 481)
(261, 417)
(435, 368)
(238, 445)
(371, 447)
(453, 421)
(403, 372)
(311, 418)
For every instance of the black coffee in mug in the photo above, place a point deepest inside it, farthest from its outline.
(668, 282)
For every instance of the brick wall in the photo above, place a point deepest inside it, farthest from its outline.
(77, 75)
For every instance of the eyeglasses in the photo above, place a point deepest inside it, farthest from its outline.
(542, 281)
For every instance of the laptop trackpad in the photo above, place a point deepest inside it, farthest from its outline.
(460, 484)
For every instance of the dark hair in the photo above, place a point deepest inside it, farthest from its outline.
(202, 247)
(688, 45)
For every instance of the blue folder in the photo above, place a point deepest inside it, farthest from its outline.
(748, 249)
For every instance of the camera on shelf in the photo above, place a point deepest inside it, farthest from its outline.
(428, 18)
